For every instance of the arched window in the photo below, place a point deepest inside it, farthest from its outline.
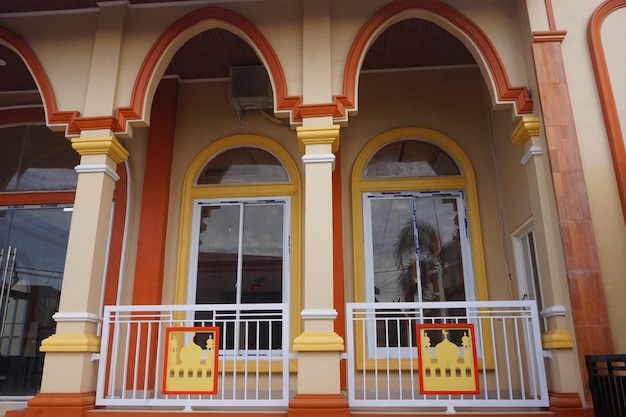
(416, 214)
(241, 210)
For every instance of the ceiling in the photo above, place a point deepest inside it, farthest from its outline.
(412, 43)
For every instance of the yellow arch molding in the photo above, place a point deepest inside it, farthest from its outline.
(466, 181)
(192, 191)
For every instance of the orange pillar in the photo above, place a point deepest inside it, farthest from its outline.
(589, 311)
(148, 283)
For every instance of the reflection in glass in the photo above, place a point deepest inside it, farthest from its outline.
(240, 260)
(243, 166)
(395, 250)
(33, 242)
(410, 159)
(406, 269)
(36, 159)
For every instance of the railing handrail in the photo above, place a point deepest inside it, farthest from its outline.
(445, 304)
(195, 307)
(137, 323)
(486, 315)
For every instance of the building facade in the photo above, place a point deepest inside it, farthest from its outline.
(310, 206)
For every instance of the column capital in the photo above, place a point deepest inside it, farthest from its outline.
(318, 135)
(98, 146)
(526, 128)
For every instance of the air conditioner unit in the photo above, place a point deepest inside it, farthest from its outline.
(250, 88)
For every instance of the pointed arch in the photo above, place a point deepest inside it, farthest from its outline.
(184, 29)
(53, 115)
(436, 10)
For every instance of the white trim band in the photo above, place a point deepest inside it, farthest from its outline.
(553, 311)
(97, 168)
(77, 317)
(319, 158)
(532, 151)
(315, 314)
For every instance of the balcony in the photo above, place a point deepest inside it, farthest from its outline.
(383, 363)
(252, 359)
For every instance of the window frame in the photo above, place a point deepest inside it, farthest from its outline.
(465, 182)
(291, 190)
(527, 266)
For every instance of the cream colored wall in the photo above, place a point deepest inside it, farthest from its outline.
(63, 45)
(204, 116)
(452, 102)
(606, 212)
(513, 191)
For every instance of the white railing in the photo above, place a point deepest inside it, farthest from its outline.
(382, 357)
(253, 355)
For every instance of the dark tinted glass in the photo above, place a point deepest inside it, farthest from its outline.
(34, 158)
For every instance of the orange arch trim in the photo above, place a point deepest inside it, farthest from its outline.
(28, 56)
(506, 92)
(605, 91)
(144, 78)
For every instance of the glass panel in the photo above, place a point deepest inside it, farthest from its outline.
(243, 166)
(395, 222)
(241, 260)
(532, 272)
(394, 270)
(440, 258)
(410, 159)
(218, 253)
(35, 159)
(393, 249)
(33, 242)
(262, 280)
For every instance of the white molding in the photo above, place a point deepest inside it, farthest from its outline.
(97, 168)
(319, 158)
(76, 317)
(532, 151)
(553, 311)
(317, 314)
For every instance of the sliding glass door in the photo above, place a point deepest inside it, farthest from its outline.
(33, 242)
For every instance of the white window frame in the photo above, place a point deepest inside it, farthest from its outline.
(527, 282)
(466, 254)
(195, 239)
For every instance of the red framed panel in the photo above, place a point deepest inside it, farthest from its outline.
(447, 358)
(189, 368)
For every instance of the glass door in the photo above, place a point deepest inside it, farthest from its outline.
(33, 242)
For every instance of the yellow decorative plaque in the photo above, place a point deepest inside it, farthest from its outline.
(191, 360)
(447, 359)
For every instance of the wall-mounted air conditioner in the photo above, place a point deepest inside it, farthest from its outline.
(250, 88)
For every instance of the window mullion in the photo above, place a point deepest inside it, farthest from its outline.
(239, 279)
(418, 272)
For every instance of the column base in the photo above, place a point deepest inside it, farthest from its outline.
(568, 404)
(57, 405)
(315, 405)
